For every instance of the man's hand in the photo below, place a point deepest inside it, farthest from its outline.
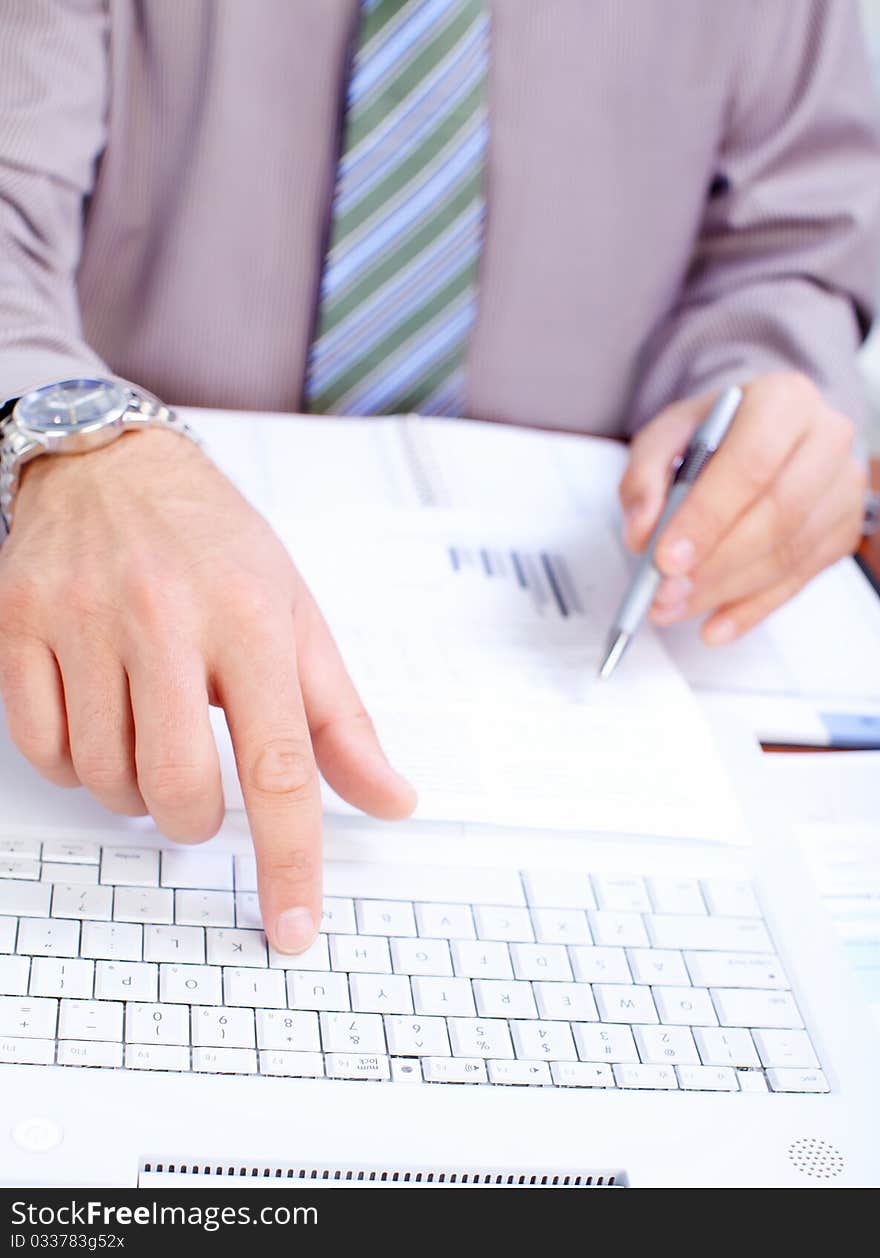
(136, 587)
(781, 499)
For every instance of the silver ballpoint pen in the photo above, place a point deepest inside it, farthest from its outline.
(643, 586)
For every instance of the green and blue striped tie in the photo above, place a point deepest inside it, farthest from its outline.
(398, 291)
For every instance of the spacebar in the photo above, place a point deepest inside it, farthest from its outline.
(440, 884)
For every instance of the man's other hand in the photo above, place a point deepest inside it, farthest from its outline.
(781, 499)
(136, 587)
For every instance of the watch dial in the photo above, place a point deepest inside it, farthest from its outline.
(70, 406)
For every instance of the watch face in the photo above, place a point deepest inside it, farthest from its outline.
(71, 406)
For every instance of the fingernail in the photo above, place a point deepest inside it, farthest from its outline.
(680, 555)
(719, 632)
(294, 931)
(668, 615)
(633, 511)
(673, 590)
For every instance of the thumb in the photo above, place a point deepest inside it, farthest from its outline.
(652, 454)
(346, 746)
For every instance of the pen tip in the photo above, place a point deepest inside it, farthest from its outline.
(616, 648)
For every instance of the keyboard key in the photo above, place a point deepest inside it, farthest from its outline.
(480, 1037)
(20, 847)
(566, 1002)
(73, 875)
(54, 976)
(317, 991)
(663, 1045)
(263, 989)
(540, 961)
(30, 899)
(453, 1070)
(8, 928)
(708, 934)
(112, 941)
(624, 930)
(751, 1081)
(735, 969)
(599, 965)
(204, 908)
(239, 947)
(443, 996)
(338, 916)
(14, 974)
(192, 984)
(416, 1037)
(652, 1078)
(580, 1074)
(496, 999)
(247, 910)
(19, 867)
(503, 923)
(727, 897)
(707, 1078)
(621, 893)
(756, 1008)
(380, 993)
(385, 917)
(406, 1070)
(367, 954)
(89, 1053)
(26, 1052)
(790, 1080)
(156, 1024)
(245, 868)
(356, 1066)
(196, 869)
(185, 944)
(554, 889)
(785, 1048)
(728, 1046)
(445, 921)
(352, 1032)
(289, 1031)
(41, 937)
(71, 852)
(676, 895)
(130, 867)
(79, 900)
(685, 1006)
(126, 981)
(476, 958)
(604, 1043)
(315, 957)
(657, 965)
(28, 1017)
(212, 1027)
(156, 1057)
(90, 1020)
(547, 1041)
(143, 904)
(561, 926)
(519, 1072)
(619, 1003)
(292, 1065)
(421, 956)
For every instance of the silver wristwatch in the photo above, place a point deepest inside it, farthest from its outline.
(72, 417)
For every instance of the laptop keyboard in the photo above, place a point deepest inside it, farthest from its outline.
(127, 957)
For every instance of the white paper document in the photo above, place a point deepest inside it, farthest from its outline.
(470, 575)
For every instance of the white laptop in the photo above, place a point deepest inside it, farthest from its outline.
(483, 1007)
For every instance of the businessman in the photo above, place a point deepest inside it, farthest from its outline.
(580, 215)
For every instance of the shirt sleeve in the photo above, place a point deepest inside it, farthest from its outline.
(783, 272)
(53, 101)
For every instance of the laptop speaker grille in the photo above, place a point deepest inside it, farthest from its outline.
(816, 1158)
(401, 1176)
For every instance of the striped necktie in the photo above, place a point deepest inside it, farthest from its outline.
(398, 291)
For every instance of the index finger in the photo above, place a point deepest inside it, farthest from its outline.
(771, 422)
(260, 692)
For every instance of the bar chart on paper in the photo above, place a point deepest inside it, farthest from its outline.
(542, 576)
